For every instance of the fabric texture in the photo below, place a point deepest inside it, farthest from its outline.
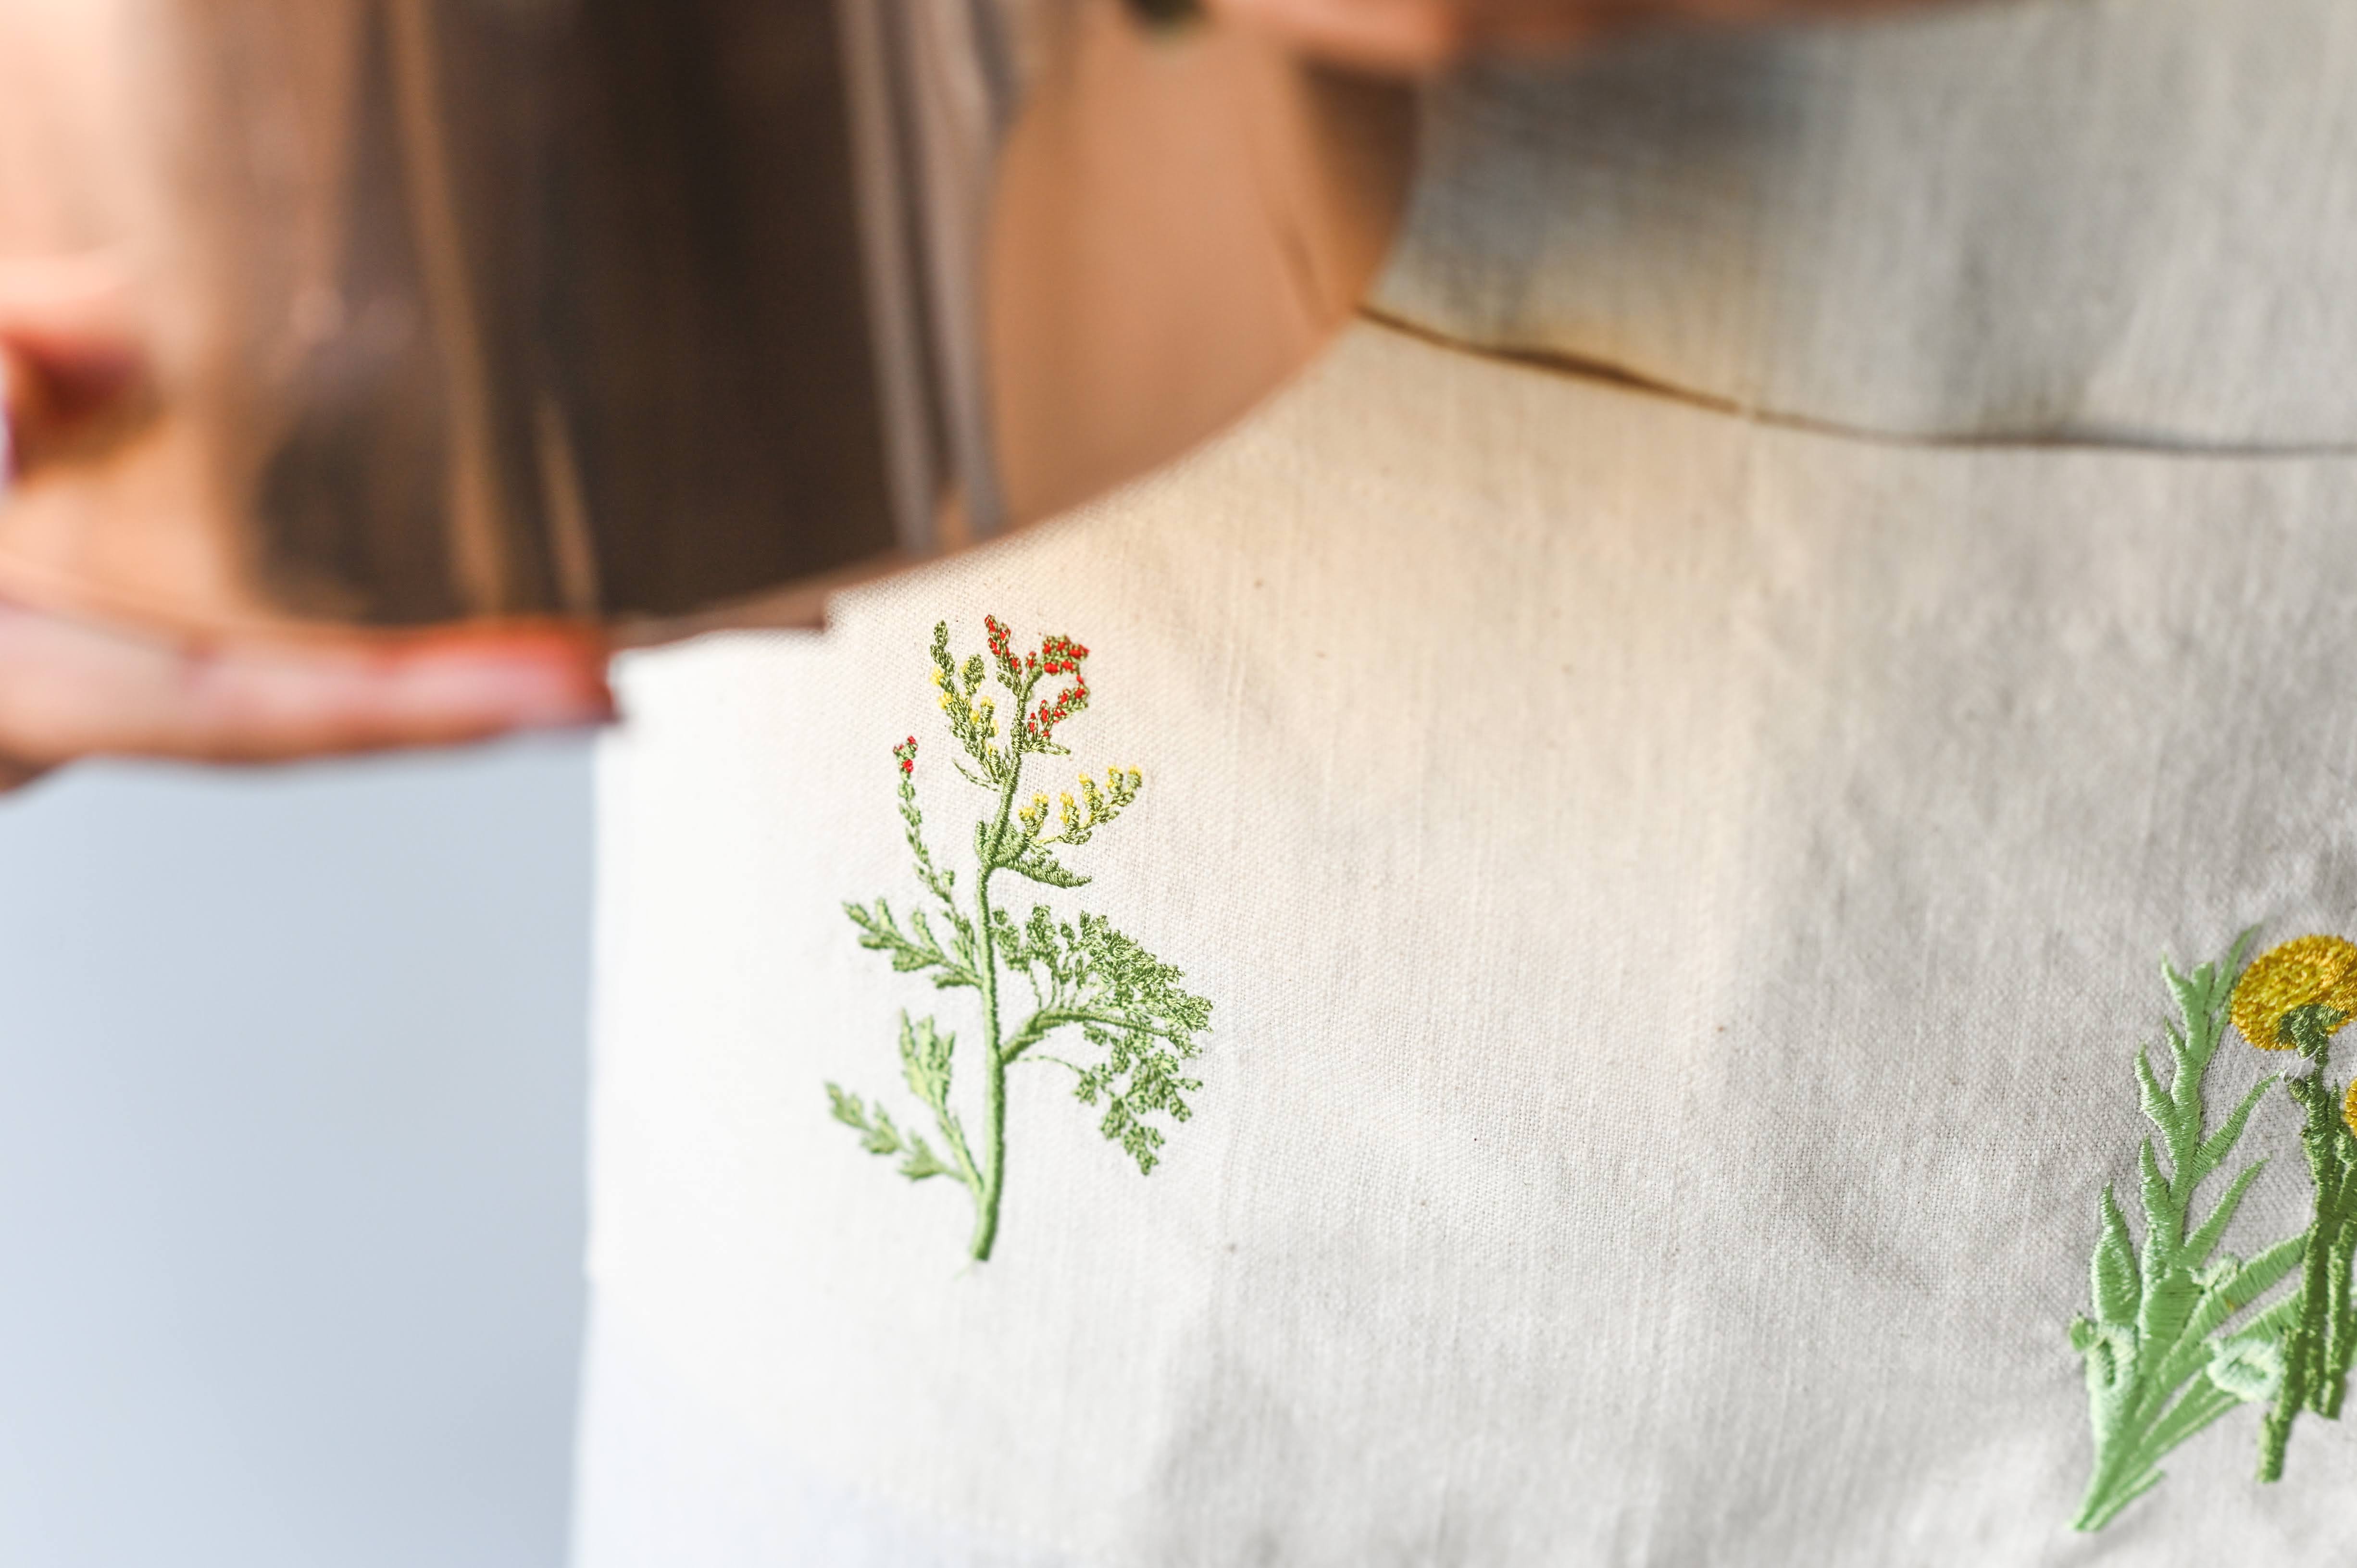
(1680, 895)
(2081, 220)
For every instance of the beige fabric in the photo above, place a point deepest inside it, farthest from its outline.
(2117, 219)
(1680, 895)
(1681, 900)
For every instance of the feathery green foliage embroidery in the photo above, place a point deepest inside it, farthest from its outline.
(2161, 1362)
(1083, 976)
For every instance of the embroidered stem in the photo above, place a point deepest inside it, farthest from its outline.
(2340, 1321)
(994, 1060)
(2316, 1348)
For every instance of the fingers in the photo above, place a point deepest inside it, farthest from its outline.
(1414, 38)
(70, 689)
(73, 379)
(1420, 37)
(1402, 36)
(64, 298)
(72, 373)
(243, 706)
(15, 775)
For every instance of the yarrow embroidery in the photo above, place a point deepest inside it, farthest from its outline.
(2180, 1336)
(1082, 974)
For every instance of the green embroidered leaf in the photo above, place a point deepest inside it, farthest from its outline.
(2228, 1287)
(2199, 1246)
(2218, 1145)
(2152, 1348)
(2191, 995)
(880, 1135)
(2203, 1403)
(2169, 1302)
(1133, 980)
(2163, 1219)
(1041, 866)
(2250, 1359)
(925, 1059)
(2097, 1515)
(1139, 1080)
(851, 1111)
(915, 950)
(1136, 1012)
(921, 1163)
(2117, 1287)
(1130, 1004)
(2249, 1368)
(2159, 1109)
(2110, 1352)
(2254, 1279)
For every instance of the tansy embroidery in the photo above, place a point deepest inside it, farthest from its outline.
(2179, 1335)
(1081, 976)
(2294, 998)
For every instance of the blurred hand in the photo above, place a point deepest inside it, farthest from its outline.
(1418, 36)
(72, 382)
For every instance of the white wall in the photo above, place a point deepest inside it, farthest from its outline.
(291, 1083)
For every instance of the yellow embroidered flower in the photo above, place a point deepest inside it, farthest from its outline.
(2307, 972)
(2349, 1106)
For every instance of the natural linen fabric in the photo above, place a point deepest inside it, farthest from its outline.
(1680, 899)
(2099, 220)
(1680, 894)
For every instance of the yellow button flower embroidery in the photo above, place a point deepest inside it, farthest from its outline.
(2151, 1381)
(2307, 972)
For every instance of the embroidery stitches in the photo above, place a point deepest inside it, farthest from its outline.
(2161, 1363)
(1083, 974)
(2296, 997)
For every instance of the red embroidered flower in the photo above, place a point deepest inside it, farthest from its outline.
(1057, 655)
(1002, 649)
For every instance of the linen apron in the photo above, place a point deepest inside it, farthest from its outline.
(1590, 1001)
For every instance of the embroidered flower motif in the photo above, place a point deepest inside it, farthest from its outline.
(2296, 997)
(2317, 973)
(2183, 1331)
(1092, 989)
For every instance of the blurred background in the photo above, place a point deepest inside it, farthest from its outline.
(292, 1076)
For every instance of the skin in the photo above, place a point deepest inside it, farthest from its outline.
(72, 384)
(1422, 36)
(71, 689)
